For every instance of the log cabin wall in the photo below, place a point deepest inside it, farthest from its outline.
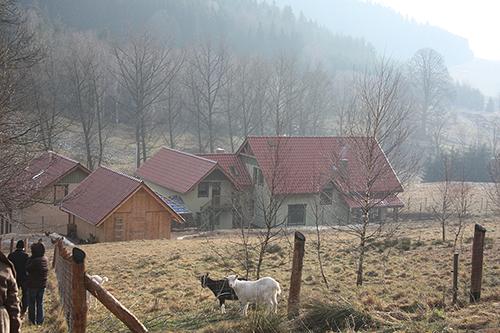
(140, 217)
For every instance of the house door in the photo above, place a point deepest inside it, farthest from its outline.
(153, 220)
(119, 228)
(215, 194)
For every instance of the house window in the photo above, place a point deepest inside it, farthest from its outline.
(215, 189)
(258, 177)
(375, 214)
(60, 191)
(203, 188)
(297, 214)
(234, 171)
(326, 197)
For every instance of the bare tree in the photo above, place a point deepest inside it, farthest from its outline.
(145, 69)
(228, 102)
(443, 208)
(464, 197)
(86, 75)
(315, 102)
(46, 96)
(18, 129)
(172, 107)
(207, 76)
(318, 211)
(270, 197)
(379, 129)
(284, 89)
(431, 83)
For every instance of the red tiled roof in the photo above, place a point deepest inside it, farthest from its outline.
(176, 170)
(45, 170)
(230, 162)
(305, 164)
(101, 192)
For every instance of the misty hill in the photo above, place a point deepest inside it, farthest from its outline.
(247, 26)
(387, 30)
(481, 73)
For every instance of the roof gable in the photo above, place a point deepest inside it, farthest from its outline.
(47, 169)
(305, 164)
(233, 168)
(100, 193)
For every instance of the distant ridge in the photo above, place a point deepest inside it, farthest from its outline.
(390, 32)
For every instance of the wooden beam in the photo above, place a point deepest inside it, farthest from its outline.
(113, 305)
(78, 294)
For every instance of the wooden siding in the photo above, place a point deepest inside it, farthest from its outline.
(140, 217)
(74, 177)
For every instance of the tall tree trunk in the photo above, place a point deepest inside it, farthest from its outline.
(143, 141)
(198, 125)
(359, 275)
(362, 248)
(230, 124)
(137, 146)
(210, 132)
(171, 129)
(443, 230)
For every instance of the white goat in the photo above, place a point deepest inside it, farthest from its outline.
(263, 291)
(100, 281)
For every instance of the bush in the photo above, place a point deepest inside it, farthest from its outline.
(322, 317)
(273, 248)
(402, 244)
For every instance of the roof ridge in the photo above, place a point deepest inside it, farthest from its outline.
(121, 173)
(233, 154)
(189, 154)
(63, 156)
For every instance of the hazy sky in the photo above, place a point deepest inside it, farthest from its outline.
(476, 20)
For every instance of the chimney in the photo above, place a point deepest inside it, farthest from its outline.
(219, 150)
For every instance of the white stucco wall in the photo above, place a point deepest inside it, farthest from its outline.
(195, 203)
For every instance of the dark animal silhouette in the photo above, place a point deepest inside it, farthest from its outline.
(221, 290)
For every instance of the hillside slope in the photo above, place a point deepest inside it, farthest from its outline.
(247, 26)
(390, 32)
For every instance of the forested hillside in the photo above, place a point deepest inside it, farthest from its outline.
(246, 26)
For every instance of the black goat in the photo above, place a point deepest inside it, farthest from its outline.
(221, 290)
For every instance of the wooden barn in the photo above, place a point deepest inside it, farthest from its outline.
(110, 206)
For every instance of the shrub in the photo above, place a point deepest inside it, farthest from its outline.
(322, 317)
(273, 248)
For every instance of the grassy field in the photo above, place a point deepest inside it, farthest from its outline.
(407, 288)
(426, 195)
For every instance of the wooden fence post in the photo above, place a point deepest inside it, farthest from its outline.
(78, 295)
(113, 305)
(296, 276)
(455, 278)
(477, 263)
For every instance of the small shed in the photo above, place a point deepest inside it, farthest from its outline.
(111, 206)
